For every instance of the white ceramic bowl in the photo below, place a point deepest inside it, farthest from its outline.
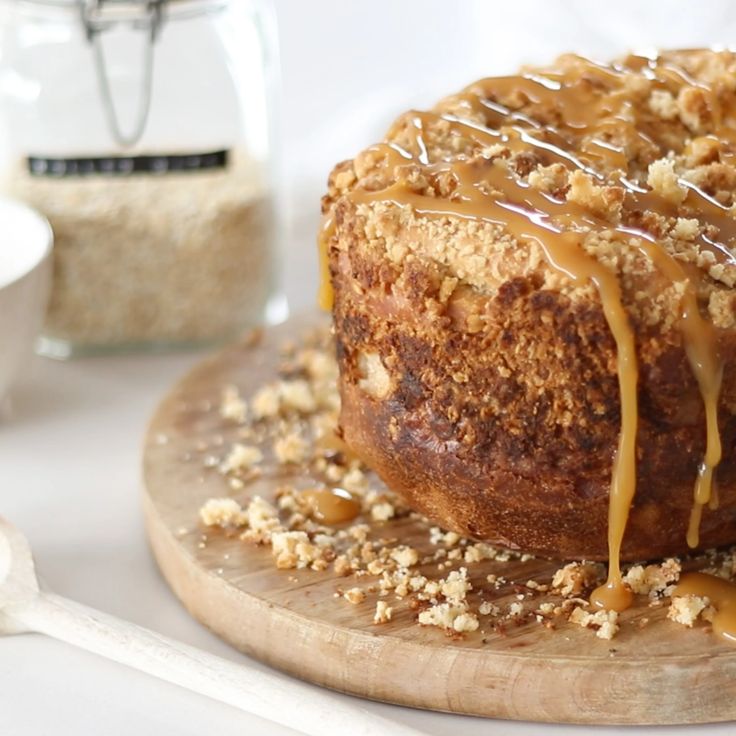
(25, 281)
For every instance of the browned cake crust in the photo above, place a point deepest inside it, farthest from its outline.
(479, 381)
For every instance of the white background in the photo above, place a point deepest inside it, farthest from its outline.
(70, 455)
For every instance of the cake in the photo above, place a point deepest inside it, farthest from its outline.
(532, 288)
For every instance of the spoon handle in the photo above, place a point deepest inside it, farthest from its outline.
(294, 704)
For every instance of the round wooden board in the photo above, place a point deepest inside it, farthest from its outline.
(660, 673)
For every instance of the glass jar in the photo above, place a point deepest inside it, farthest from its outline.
(142, 129)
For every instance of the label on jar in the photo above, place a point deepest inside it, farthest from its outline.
(125, 165)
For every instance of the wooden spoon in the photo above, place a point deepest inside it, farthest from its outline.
(24, 607)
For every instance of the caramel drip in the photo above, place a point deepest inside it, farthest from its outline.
(332, 505)
(591, 102)
(330, 444)
(709, 379)
(326, 294)
(722, 596)
(701, 347)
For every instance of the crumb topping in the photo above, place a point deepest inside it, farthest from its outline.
(686, 609)
(653, 581)
(232, 405)
(222, 512)
(633, 148)
(354, 596)
(241, 457)
(605, 623)
(383, 613)
(577, 577)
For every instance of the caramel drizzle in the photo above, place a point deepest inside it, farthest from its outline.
(332, 505)
(487, 192)
(722, 596)
(325, 295)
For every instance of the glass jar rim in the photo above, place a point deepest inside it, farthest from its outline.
(76, 3)
(174, 9)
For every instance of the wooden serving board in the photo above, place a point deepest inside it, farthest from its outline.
(661, 673)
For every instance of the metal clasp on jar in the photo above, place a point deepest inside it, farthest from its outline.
(99, 16)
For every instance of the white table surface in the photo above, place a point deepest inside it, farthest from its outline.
(70, 454)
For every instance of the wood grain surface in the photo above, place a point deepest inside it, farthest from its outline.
(660, 673)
